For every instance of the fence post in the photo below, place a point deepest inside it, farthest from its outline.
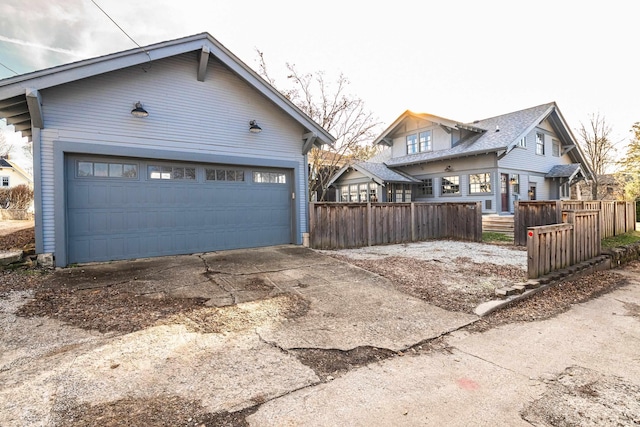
(312, 223)
(573, 240)
(533, 253)
(369, 223)
(558, 211)
(413, 222)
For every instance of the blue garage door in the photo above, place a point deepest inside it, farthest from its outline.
(119, 208)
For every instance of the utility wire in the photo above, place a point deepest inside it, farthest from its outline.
(13, 71)
(124, 32)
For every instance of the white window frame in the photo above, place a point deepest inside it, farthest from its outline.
(540, 143)
(486, 183)
(412, 148)
(5, 181)
(427, 141)
(451, 179)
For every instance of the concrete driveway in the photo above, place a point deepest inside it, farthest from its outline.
(335, 306)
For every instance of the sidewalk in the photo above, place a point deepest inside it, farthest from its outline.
(584, 361)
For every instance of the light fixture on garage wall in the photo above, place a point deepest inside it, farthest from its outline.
(138, 111)
(448, 169)
(253, 127)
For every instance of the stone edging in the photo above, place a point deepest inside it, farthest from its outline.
(610, 258)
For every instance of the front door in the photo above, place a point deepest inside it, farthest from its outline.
(504, 191)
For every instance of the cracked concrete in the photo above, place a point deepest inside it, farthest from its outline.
(345, 308)
(481, 379)
(492, 378)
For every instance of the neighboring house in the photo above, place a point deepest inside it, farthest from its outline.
(610, 187)
(525, 155)
(173, 148)
(323, 164)
(12, 175)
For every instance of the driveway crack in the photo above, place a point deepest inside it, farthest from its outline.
(490, 362)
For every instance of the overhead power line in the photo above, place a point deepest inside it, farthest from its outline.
(13, 71)
(123, 31)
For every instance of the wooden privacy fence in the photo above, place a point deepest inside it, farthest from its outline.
(353, 225)
(615, 217)
(557, 246)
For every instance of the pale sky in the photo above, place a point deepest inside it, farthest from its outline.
(459, 59)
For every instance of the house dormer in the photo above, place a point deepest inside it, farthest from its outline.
(421, 134)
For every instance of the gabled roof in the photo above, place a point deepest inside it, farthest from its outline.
(19, 95)
(498, 134)
(565, 171)
(8, 164)
(447, 123)
(376, 170)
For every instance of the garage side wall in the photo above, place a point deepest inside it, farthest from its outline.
(188, 120)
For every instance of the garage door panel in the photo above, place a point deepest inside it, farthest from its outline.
(110, 219)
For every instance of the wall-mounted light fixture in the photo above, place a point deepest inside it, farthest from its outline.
(253, 127)
(138, 111)
(448, 169)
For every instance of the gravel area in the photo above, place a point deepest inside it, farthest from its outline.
(454, 275)
(445, 251)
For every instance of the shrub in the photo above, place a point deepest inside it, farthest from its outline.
(20, 197)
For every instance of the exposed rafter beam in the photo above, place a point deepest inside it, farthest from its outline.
(11, 102)
(15, 110)
(34, 101)
(387, 141)
(18, 119)
(447, 129)
(309, 139)
(22, 126)
(203, 62)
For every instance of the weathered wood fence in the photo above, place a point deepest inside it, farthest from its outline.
(558, 246)
(352, 225)
(615, 217)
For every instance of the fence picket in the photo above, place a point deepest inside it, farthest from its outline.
(348, 225)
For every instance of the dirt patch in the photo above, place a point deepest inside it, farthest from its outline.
(240, 317)
(457, 286)
(257, 284)
(632, 309)
(111, 309)
(330, 363)
(21, 279)
(553, 300)
(156, 412)
(582, 397)
(105, 309)
(22, 239)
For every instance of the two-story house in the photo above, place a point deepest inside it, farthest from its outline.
(12, 175)
(529, 154)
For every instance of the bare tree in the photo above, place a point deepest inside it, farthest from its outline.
(342, 114)
(596, 143)
(5, 146)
